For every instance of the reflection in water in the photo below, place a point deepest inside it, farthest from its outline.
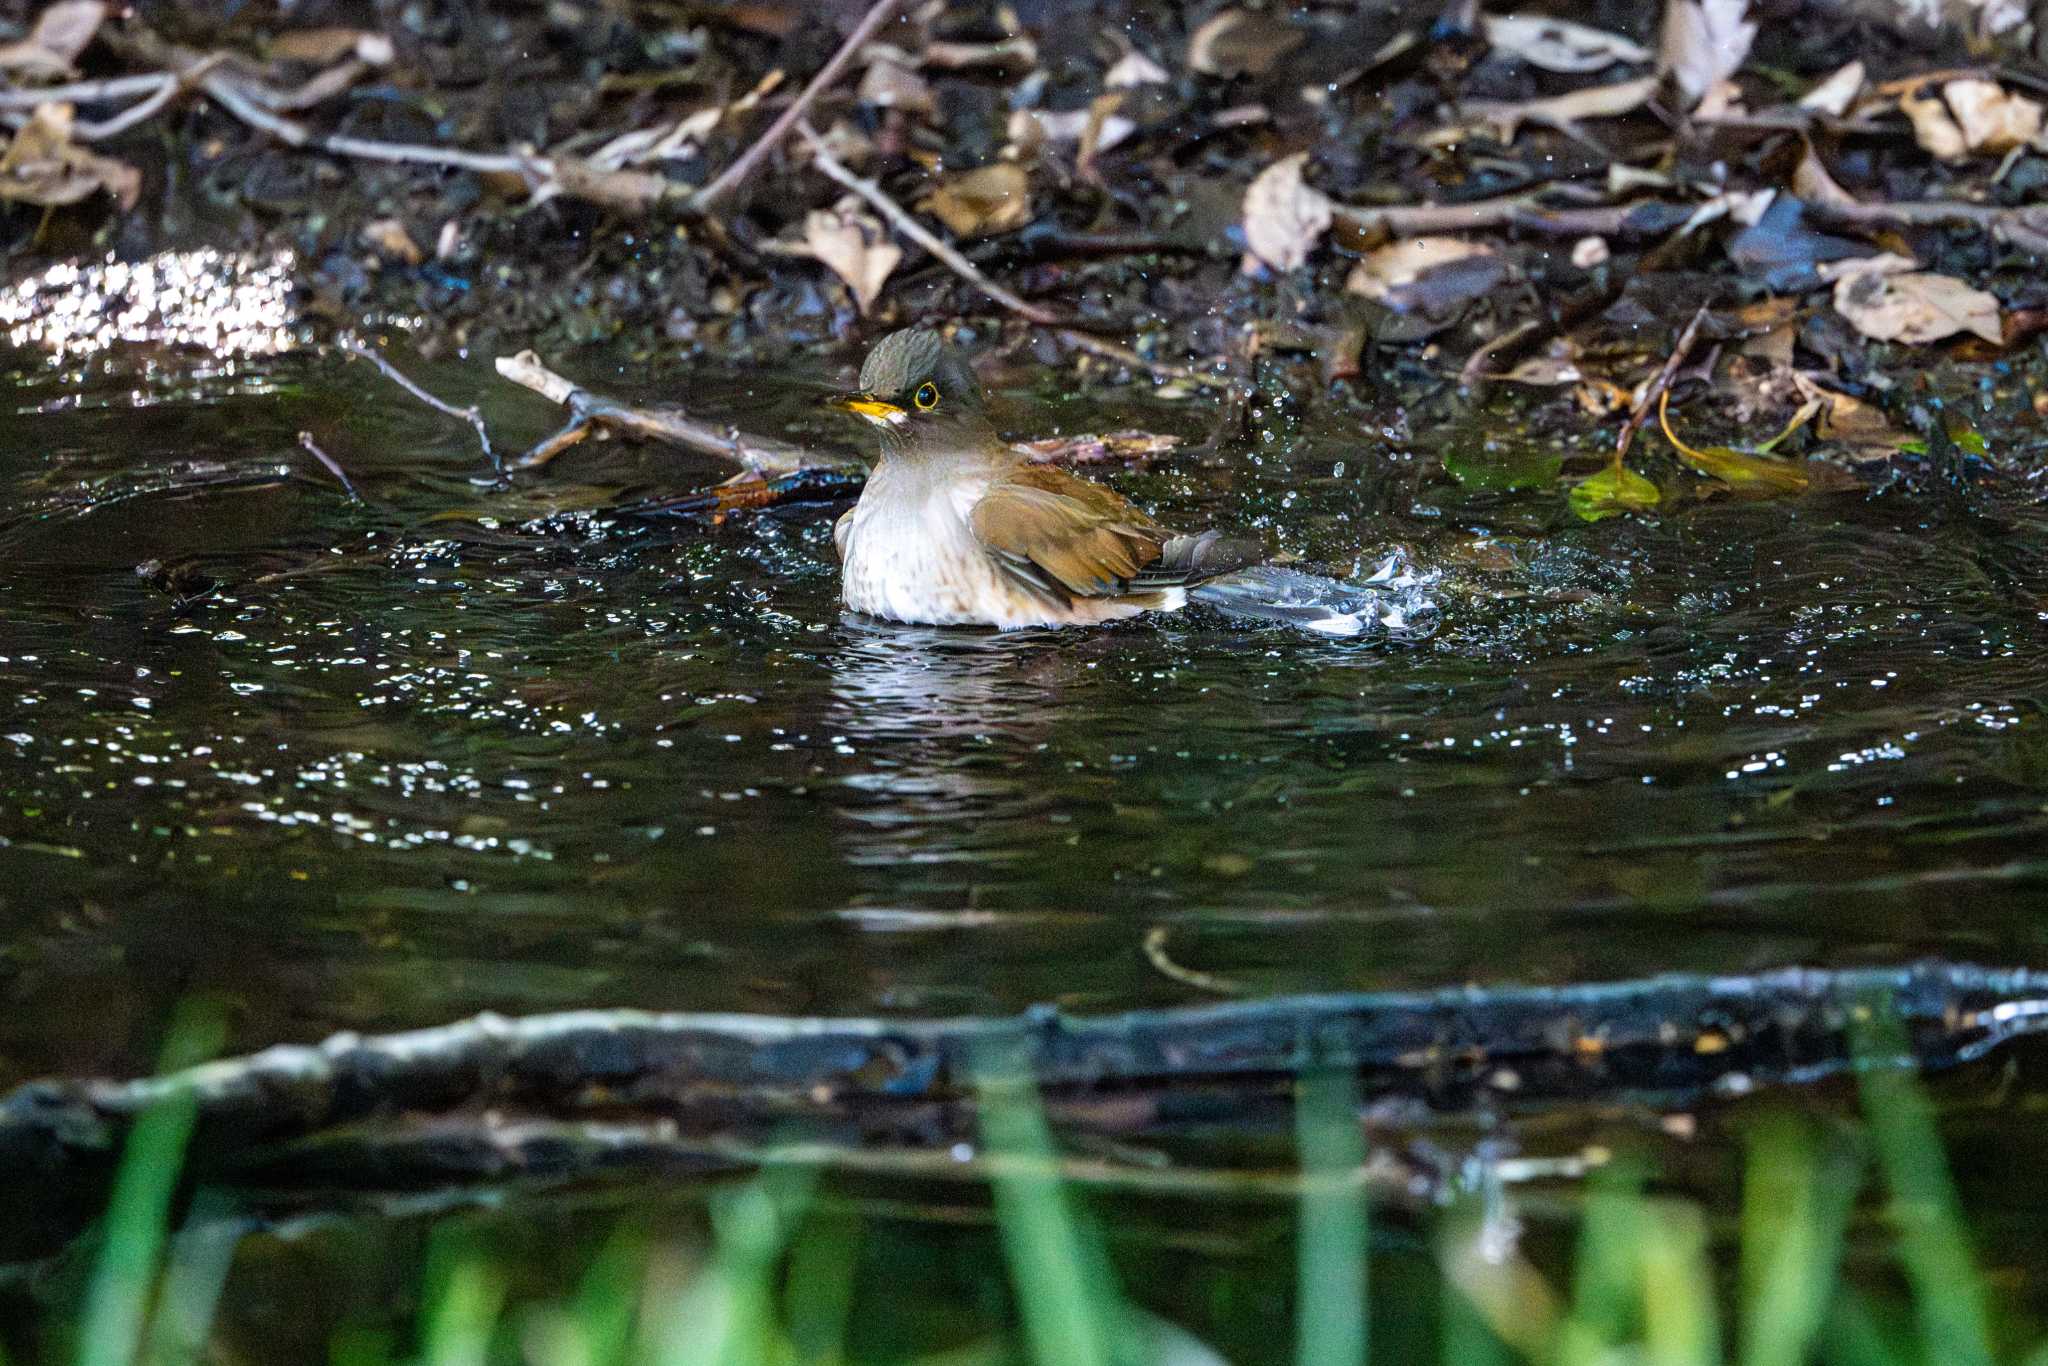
(936, 711)
(224, 303)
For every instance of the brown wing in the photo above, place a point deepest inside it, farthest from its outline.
(1057, 533)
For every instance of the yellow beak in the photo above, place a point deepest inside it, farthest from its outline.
(879, 411)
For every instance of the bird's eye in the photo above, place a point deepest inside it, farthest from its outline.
(927, 397)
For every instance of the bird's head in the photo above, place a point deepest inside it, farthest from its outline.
(922, 396)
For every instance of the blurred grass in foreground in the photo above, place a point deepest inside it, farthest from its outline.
(776, 1282)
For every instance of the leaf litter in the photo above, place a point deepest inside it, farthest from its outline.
(1510, 197)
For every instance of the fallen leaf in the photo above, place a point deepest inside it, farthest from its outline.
(1835, 94)
(854, 247)
(1398, 263)
(890, 85)
(1613, 491)
(1134, 68)
(1992, 119)
(1032, 128)
(391, 240)
(1865, 433)
(1703, 43)
(1015, 53)
(1933, 129)
(1742, 471)
(1241, 43)
(1918, 307)
(1884, 263)
(981, 202)
(1283, 216)
(43, 166)
(1564, 111)
(1091, 448)
(1560, 44)
(61, 32)
(324, 46)
(1545, 372)
(1812, 183)
(663, 142)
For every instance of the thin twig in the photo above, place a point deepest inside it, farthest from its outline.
(168, 87)
(1155, 954)
(82, 92)
(470, 414)
(880, 13)
(334, 468)
(901, 220)
(762, 455)
(1648, 403)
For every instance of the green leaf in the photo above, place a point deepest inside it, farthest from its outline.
(1521, 466)
(1614, 490)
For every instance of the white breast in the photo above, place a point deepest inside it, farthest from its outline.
(909, 554)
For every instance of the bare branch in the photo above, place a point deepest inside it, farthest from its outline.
(880, 13)
(901, 219)
(470, 414)
(762, 455)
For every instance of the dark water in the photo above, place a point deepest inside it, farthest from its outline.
(383, 764)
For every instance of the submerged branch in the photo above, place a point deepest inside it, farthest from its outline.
(445, 1104)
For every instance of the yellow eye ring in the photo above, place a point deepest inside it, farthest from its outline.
(927, 397)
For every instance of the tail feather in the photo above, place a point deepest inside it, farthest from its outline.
(1395, 600)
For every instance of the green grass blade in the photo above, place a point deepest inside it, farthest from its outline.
(201, 1254)
(1948, 1293)
(1680, 1327)
(1607, 1284)
(462, 1313)
(1069, 1315)
(117, 1297)
(1795, 1213)
(1331, 1289)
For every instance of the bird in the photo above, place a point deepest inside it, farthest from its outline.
(955, 527)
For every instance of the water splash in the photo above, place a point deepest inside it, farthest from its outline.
(1396, 600)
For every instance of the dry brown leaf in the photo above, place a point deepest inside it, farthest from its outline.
(1933, 129)
(1704, 42)
(1884, 263)
(62, 32)
(983, 201)
(1564, 111)
(890, 85)
(1919, 307)
(1384, 269)
(1134, 68)
(1241, 43)
(1560, 44)
(1835, 94)
(1031, 129)
(1812, 183)
(1015, 53)
(1862, 428)
(323, 46)
(392, 241)
(1283, 216)
(854, 247)
(43, 166)
(1993, 120)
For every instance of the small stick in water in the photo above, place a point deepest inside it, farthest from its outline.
(334, 468)
(470, 414)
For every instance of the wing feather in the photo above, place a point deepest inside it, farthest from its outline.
(1057, 533)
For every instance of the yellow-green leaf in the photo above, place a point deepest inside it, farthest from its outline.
(1614, 490)
(1759, 476)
